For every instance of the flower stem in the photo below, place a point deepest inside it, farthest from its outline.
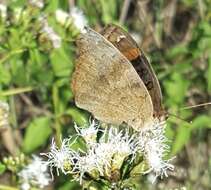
(15, 91)
(56, 113)
(10, 54)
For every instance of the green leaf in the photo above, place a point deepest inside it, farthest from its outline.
(182, 137)
(127, 166)
(139, 169)
(70, 185)
(17, 67)
(2, 168)
(108, 10)
(180, 49)
(78, 116)
(205, 26)
(37, 133)
(176, 88)
(61, 63)
(52, 5)
(202, 121)
(37, 63)
(205, 43)
(5, 77)
(78, 143)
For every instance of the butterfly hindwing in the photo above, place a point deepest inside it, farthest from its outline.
(106, 84)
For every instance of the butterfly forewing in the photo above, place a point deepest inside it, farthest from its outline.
(129, 48)
(106, 84)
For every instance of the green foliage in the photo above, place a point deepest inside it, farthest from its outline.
(2, 168)
(37, 134)
(176, 88)
(60, 63)
(208, 76)
(78, 116)
(69, 185)
(182, 138)
(202, 121)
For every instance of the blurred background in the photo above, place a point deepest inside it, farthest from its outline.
(36, 68)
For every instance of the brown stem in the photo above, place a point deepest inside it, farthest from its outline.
(124, 11)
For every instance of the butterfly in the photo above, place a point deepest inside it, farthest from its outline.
(113, 79)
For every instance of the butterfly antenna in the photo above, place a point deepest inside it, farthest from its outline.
(195, 106)
(182, 119)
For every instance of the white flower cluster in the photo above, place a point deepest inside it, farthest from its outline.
(3, 10)
(107, 154)
(4, 114)
(152, 142)
(90, 133)
(99, 158)
(61, 158)
(34, 175)
(62, 17)
(76, 16)
(50, 33)
(37, 3)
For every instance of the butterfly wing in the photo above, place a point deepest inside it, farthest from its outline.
(129, 48)
(106, 84)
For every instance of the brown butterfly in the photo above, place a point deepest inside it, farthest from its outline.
(106, 84)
